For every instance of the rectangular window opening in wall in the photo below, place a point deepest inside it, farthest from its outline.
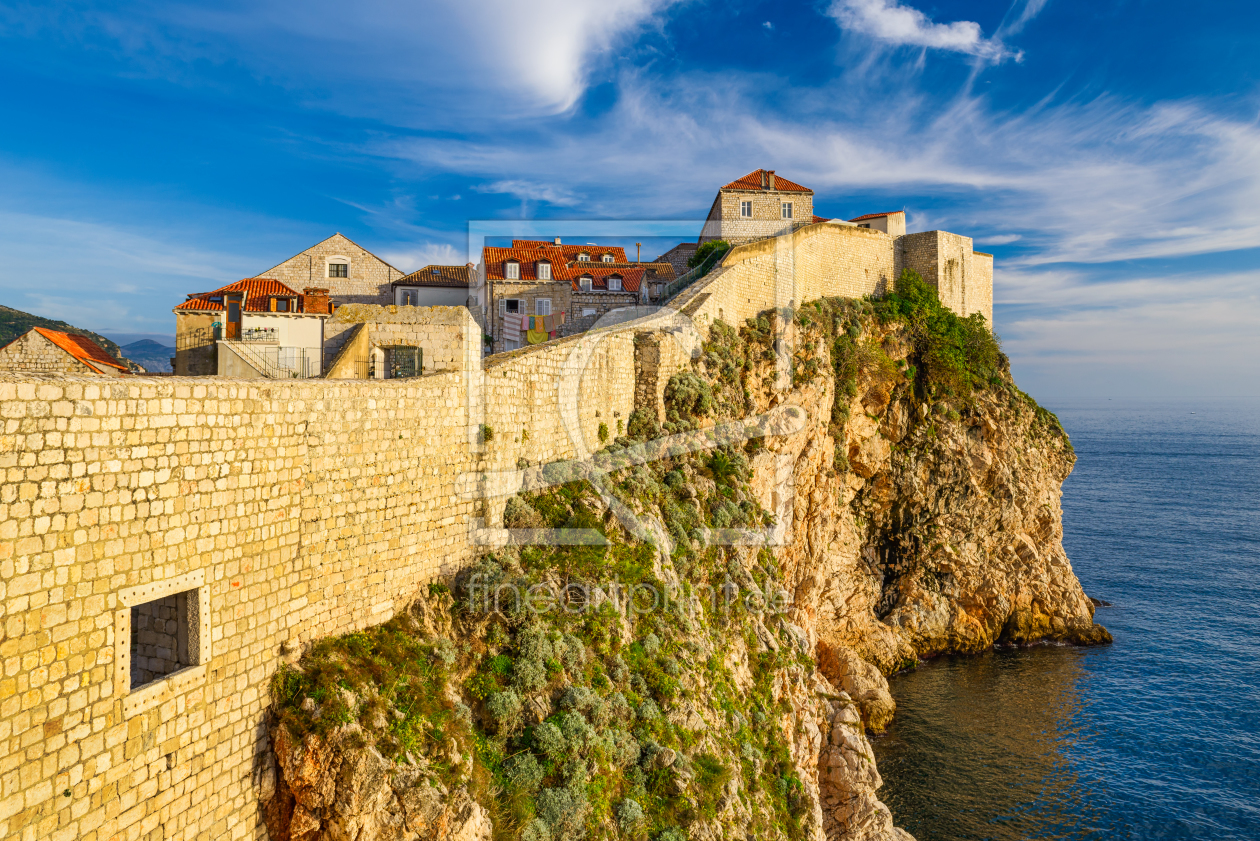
(787, 210)
(161, 640)
(542, 306)
(338, 269)
(745, 209)
(160, 632)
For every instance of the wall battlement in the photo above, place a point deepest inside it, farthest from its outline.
(278, 512)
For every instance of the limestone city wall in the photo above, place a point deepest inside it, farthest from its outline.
(285, 511)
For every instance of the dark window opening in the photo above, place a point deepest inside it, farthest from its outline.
(338, 269)
(405, 362)
(160, 637)
(513, 305)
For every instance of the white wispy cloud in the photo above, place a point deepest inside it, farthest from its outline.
(893, 23)
(425, 254)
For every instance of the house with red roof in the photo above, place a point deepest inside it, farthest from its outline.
(537, 289)
(350, 273)
(255, 327)
(761, 204)
(892, 223)
(43, 351)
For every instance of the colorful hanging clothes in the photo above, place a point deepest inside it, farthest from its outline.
(536, 337)
(511, 327)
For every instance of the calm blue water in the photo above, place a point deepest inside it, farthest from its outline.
(1156, 736)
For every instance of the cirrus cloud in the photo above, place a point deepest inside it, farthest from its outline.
(898, 25)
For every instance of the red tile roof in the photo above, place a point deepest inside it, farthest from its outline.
(563, 259)
(753, 181)
(81, 348)
(630, 278)
(818, 219)
(257, 292)
(571, 252)
(876, 215)
(455, 276)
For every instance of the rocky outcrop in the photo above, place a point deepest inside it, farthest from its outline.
(911, 526)
(334, 788)
(922, 529)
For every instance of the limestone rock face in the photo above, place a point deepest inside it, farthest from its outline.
(942, 533)
(332, 790)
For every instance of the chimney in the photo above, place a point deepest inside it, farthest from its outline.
(772, 179)
(557, 240)
(763, 179)
(315, 301)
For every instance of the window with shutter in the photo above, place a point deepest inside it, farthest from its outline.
(542, 306)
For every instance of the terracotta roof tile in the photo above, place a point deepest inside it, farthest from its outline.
(631, 279)
(876, 215)
(257, 292)
(818, 219)
(753, 181)
(563, 258)
(450, 276)
(81, 348)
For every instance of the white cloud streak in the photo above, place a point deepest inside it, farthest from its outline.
(898, 25)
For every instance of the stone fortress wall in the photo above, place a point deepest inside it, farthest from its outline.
(275, 513)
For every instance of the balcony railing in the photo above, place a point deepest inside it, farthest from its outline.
(262, 335)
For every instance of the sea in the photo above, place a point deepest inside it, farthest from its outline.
(1156, 736)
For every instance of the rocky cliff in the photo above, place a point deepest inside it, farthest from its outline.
(673, 679)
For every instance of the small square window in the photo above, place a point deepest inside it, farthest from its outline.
(512, 271)
(607, 258)
(338, 269)
(161, 640)
(544, 271)
(584, 258)
(542, 306)
(513, 305)
(584, 284)
(282, 305)
(745, 209)
(787, 210)
(614, 284)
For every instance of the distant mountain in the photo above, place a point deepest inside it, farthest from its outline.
(14, 323)
(154, 356)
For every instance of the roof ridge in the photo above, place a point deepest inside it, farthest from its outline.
(324, 240)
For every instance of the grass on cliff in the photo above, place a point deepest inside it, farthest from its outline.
(581, 722)
(956, 355)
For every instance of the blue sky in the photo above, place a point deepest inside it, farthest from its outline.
(1107, 153)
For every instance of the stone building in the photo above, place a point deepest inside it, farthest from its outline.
(435, 286)
(43, 351)
(540, 278)
(759, 205)
(893, 224)
(350, 273)
(256, 327)
(678, 256)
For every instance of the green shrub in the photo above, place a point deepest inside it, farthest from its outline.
(702, 253)
(549, 740)
(524, 772)
(687, 397)
(603, 433)
(957, 355)
(629, 815)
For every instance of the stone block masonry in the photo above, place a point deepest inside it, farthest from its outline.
(280, 512)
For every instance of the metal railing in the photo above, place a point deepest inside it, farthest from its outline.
(280, 363)
(679, 284)
(200, 337)
(263, 335)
